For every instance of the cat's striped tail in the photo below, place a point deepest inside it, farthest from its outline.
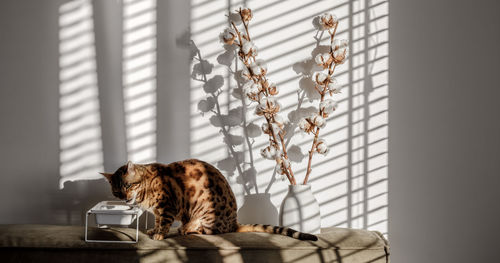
(276, 230)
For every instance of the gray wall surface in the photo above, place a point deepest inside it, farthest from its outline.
(29, 151)
(29, 112)
(444, 127)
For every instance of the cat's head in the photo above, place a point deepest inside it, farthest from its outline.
(124, 182)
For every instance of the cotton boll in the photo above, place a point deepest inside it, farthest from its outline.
(319, 121)
(265, 128)
(259, 111)
(265, 153)
(340, 55)
(256, 88)
(249, 48)
(264, 106)
(244, 74)
(321, 77)
(281, 172)
(254, 93)
(276, 108)
(282, 164)
(295, 115)
(328, 106)
(274, 127)
(272, 89)
(321, 147)
(285, 163)
(328, 21)
(305, 125)
(252, 89)
(268, 152)
(333, 87)
(258, 67)
(323, 60)
(246, 14)
(268, 105)
(319, 59)
(325, 21)
(340, 43)
(235, 18)
(228, 36)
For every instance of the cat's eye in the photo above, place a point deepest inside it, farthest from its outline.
(127, 186)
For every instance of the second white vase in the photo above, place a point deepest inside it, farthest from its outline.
(258, 209)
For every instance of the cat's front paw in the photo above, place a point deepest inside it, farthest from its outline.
(151, 232)
(159, 236)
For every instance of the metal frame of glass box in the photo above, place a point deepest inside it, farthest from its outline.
(133, 213)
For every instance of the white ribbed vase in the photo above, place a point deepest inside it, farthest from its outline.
(258, 209)
(300, 210)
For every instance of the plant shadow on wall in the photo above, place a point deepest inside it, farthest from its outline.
(238, 134)
(351, 182)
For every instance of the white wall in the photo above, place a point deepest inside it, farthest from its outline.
(445, 131)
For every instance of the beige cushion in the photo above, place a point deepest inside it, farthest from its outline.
(66, 244)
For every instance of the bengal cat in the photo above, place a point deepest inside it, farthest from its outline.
(191, 191)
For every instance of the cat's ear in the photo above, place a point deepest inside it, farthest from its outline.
(107, 175)
(132, 175)
(130, 167)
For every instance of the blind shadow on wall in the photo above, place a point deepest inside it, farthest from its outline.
(351, 182)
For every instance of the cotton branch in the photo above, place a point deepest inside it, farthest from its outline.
(259, 90)
(325, 84)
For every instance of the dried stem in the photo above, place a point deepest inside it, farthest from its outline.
(261, 78)
(331, 70)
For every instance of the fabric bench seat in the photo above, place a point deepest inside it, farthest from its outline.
(54, 243)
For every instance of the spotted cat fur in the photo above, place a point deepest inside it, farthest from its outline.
(191, 191)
